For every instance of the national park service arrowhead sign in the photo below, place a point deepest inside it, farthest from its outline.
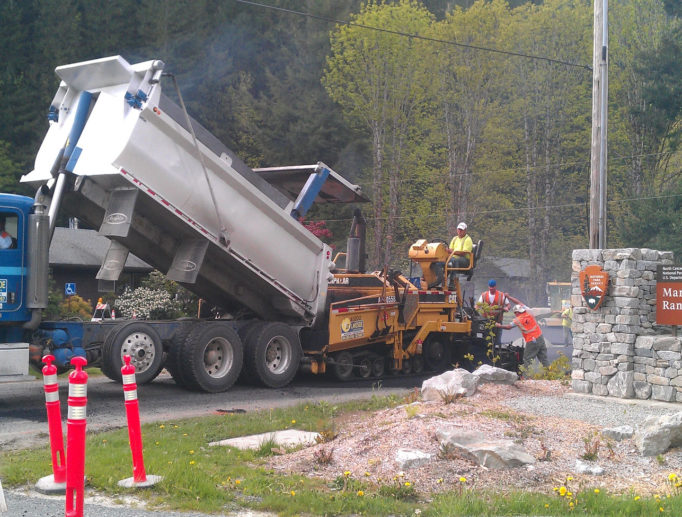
(594, 282)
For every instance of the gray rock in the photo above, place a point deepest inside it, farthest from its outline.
(621, 385)
(492, 454)
(642, 390)
(582, 467)
(487, 373)
(457, 381)
(618, 433)
(411, 458)
(657, 435)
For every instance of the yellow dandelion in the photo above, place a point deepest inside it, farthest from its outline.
(360, 493)
(293, 421)
(293, 493)
(569, 494)
(156, 443)
(462, 480)
(556, 488)
(546, 505)
(367, 473)
(657, 496)
(562, 491)
(660, 509)
(237, 481)
(596, 490)
(571, 504)
(162, 426)
(407, 483)
(672, 477)
(192, 451)
(192, 462)
(185, 434)
(637, 498)
(104, 441)
(170, 462)
(569, 478)
(439, 480)
(346, 473)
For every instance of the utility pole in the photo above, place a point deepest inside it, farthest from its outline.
(599, 126)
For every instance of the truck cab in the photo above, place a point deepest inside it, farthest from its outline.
(14, 211)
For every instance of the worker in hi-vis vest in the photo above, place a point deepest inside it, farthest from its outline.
(532, 335)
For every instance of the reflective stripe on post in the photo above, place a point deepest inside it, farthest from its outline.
(75, 438)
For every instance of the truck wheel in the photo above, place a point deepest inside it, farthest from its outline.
(273, 353)
(436, 355)
(142, 343)
(212, 357)
(343, 366)
(378, 366)
(245, 332)
(174, 361)
(364, 368)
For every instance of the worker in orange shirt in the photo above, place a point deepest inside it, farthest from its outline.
(532, 336)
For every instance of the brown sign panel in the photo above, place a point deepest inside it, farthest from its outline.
(669, 295)
(594, 282)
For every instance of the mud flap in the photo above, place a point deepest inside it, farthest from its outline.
(188, 260)
(119, 213)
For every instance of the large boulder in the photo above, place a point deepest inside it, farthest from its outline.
(657, 434)
(488, 373)
(453, 382)
(492, 454)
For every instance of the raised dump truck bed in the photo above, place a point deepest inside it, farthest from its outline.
(188, 206)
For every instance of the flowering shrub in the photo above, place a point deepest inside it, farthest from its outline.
(75, 307)
(146, 303)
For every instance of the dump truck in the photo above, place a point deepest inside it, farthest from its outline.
(124, 158)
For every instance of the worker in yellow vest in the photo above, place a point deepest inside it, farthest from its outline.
(566, 322)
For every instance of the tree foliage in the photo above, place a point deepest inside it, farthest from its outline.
(407, 101)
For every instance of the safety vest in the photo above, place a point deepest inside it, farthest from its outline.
(497, 301)
(529, 328)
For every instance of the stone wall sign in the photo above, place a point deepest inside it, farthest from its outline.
(594, 282)
(669, 295)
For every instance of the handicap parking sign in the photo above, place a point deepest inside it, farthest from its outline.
(70, 289)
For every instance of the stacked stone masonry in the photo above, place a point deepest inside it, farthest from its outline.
(618, 350)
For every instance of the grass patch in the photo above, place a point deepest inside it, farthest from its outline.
(222, 479)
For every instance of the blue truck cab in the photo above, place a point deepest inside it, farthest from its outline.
(14, 213)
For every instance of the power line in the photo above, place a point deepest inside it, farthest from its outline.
(523, 168)
(512, 210)
(417, 36)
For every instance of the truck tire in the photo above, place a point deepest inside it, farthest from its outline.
(436, 354)
(273, 354)
(174, 360)
(142, 343)
(245, 332)
(212, 357)
(343, 366)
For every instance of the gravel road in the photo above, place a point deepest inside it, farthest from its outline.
(30, 504)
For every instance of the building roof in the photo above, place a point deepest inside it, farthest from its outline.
(86, 248)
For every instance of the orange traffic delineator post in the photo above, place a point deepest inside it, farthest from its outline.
(75, 438)
(56, 482)
(140, 478)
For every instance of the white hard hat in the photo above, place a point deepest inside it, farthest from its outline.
(462, 226)
(519, 308)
